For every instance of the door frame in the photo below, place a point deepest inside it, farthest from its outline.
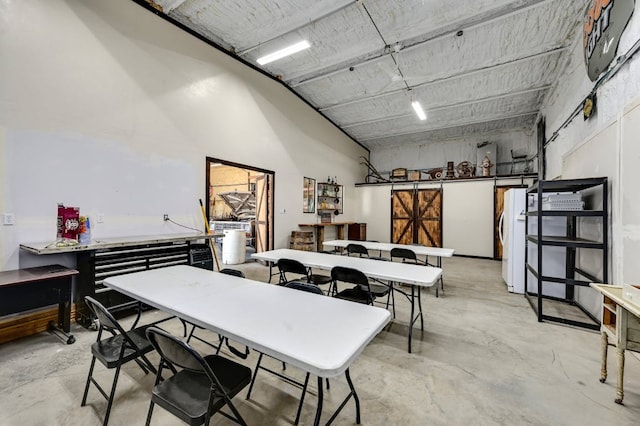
(270, 192)
(496, 218)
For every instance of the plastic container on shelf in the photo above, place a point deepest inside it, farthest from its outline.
(234, 246)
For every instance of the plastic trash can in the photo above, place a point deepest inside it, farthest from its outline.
(234, 246)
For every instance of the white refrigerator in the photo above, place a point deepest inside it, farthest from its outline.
(512, 235)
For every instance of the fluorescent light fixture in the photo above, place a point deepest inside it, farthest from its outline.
(418, 109)
(290, 50)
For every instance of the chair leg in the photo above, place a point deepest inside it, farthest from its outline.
(111, 395)
(191, 333)
(255, 373)
(89, 376)
(149, 413)
(235, 412)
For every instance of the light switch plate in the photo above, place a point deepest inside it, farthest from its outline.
(8, 219)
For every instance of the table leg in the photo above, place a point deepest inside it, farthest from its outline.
(64, 310)
(63, 325)
(620, 386)
(420, 308)
(319, 409)
(352, 393)
(439, 265)
(604, 343)
(411, 319)
(355, 395)
(319, 238)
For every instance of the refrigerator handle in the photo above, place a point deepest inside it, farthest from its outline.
(500, 226)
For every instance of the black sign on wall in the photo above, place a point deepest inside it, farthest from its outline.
(604, 22)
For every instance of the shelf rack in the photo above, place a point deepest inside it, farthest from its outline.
(572, 242)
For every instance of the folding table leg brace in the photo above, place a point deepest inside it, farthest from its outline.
(352, 393)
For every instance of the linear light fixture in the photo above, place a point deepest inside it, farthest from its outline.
(418, 109)
(289, 50)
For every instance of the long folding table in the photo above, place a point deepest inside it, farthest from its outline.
(292, 326)
(417, 276)
(420, 250)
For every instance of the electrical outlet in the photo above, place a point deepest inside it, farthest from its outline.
(166, 217)
(8, 219)
(99, 217)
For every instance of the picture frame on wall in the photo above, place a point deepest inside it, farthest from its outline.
(308, 195)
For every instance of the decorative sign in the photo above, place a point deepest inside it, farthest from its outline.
(604, 22)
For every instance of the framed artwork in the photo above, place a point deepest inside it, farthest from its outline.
(308, 195)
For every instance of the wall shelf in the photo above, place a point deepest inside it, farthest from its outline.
(329, 199)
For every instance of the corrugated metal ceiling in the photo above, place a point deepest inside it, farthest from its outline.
(476, 66)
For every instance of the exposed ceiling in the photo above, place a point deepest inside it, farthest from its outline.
(476, 66)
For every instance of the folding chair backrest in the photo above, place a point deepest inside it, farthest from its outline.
(233, 272)
(107, 321)
(302, 286)
(349, 275)
(358, 249)
(292, 266)
(403, 253)
(175, 351)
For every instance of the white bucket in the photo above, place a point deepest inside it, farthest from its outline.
(234, 246)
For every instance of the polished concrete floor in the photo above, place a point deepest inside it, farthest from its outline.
(483, 359)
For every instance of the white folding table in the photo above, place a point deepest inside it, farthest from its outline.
(292, 326)
(417, 276)
(420, 250)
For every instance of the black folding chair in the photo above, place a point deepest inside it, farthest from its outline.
(361, 251)
(409, 256)
(202, 387)
(291, 266)
(302, 286)
(115, 351)
(361, 293)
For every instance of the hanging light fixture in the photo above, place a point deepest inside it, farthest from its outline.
(279, 54)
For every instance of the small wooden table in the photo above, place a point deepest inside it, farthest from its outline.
(318, 229)
(25, 289)
(621, 322)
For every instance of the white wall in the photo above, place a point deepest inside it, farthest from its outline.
(107, 107)
(429, 155)
(605, 145)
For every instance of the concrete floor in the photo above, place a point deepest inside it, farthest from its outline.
(483, 359)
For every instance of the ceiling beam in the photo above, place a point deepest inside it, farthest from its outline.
(461, 124)
(448, 30)
(243, 51)
(449, 106)
(461, 74)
